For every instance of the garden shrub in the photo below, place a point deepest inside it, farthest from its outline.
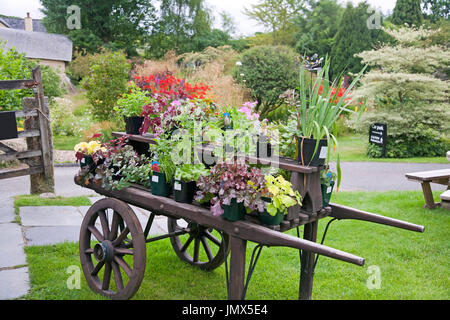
(107, 80)
(419, 132)
(268, 71)
(78, 68)
(15, 66)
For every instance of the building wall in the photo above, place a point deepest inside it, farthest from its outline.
(58, 66)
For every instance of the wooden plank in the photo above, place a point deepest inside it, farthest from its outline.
(20, 155)
(17, 84)
(29, 133)
(307, 263)
(237, 268)
(428, 195)
(5, 148)
(428, 175)
(17, 172)
(22, 114)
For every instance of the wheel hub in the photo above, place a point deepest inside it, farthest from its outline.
(103, 251)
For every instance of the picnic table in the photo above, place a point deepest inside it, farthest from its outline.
(425, 178)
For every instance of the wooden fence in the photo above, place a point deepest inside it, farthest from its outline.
(37, 131)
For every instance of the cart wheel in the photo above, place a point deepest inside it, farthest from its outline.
(112, 247)
(214, 250)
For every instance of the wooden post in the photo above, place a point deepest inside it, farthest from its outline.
(428, 195)
(41, 182)
(307, 263)
(237, 268)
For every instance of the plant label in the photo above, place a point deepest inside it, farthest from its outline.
(323, 153)
(155, 179)
(177, 186)
(329, 189)
(83, 161)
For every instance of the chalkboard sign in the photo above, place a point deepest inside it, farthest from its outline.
(378, 135)
(8, 125)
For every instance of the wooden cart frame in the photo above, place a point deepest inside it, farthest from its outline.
(114, 225)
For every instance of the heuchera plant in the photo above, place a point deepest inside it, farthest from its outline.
(230, 180)
(281, 193)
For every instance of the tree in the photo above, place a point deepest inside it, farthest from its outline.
(353, 36)
(407, 11)
(113, 23)
(180, 22)
(268, 71)
(317, 27)
(278, 16)
(436, 9)
(406, 91)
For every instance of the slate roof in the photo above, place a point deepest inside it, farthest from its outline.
(38, 45)
(19, 24)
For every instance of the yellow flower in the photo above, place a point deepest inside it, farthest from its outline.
(93, 147)
(81, 147)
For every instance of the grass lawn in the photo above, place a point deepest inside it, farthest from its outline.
(412, 265)
(353, 149)
(65, 142)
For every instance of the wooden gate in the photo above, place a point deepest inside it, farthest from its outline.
(37, 131)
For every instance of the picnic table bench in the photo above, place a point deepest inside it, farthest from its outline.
(425, 178)
(111, 232)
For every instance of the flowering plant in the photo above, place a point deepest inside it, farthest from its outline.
(230, 180)
(88, 149)
(131, 103)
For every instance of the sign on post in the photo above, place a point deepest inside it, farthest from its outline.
(378, 136)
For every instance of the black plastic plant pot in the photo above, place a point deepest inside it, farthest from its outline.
(159, 185)
(267, 219)
(233, 212)
(263, 147)
(326, 193)
(115, 175)
(133, 124)
(184, 191)
(87, 161)
(306, 155)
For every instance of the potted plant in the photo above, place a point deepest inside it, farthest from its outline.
(185, 183)
(130, 107)
(85, 154)
(279, 196)
(327, 182)
(163, 167)
(318, 106)
(228, 190)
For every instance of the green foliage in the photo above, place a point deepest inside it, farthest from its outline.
(317, 28)
(191, 172)
(120, 24)
(407, 11)
(417, 131)
(78, 68)
(436, 9)
(353, 36)
(131, 102)
(282, 195)
(268, 71)
(106, 82)
(15, 66)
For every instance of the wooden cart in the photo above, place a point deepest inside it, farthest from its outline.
(117, 233)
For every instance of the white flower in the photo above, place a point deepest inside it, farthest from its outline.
(242, 74)
(239, 63)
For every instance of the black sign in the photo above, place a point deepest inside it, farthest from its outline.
(378, 134)
(8, 125)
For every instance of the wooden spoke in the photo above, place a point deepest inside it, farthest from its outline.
(114, 226)
(196, 249)
(187, 243)
(123, 265)
(123, 251)
(121, 237)
(104, 223)
(96, 233)
(117, 276)
(89, 251)
(206, 248)
(106, 276)
(212, 238)
(97, 268)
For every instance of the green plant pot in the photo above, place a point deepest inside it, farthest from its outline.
(159, 185)
(267, 219)
(234, 212)
(326, 193)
